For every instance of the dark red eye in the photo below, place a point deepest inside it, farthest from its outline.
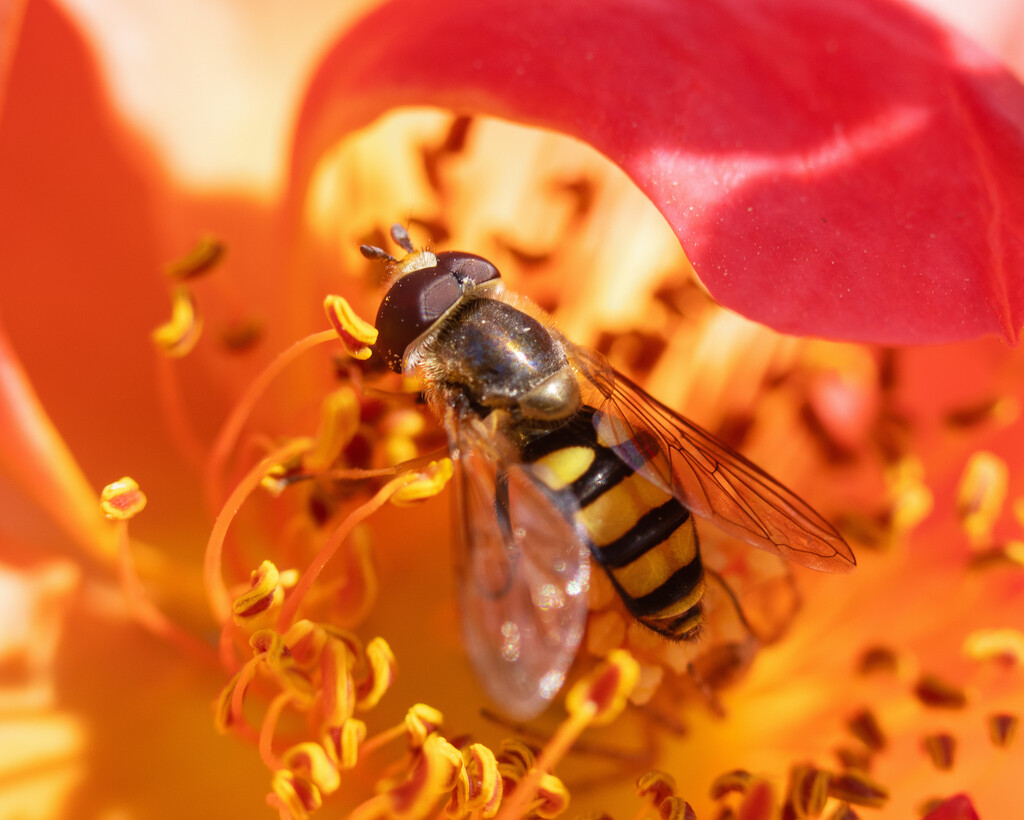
(410, 308)
(469, 269)
(418, 299)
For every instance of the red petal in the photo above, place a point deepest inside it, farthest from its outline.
(80, 284)
(956, 808)
(39, 464)
(845, 169)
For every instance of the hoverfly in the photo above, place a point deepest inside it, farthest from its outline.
(562, 463)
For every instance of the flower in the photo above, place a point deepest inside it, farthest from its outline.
(328, 669)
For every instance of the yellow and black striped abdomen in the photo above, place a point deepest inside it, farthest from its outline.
(640, 533)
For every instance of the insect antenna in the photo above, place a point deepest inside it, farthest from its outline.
(373, 253)
(401, 237)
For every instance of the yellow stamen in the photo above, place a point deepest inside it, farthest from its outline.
(337, 684)
(434, 773)
(912, 500)
(515, 760)
(603, 694)
(552, 798)
(656, 788)
(981, 495)
(307, 640)
(996, 644)
(343, 744)
(479, 787)
(595, 700)
(257, 607)
(178, 336)
(431, 481)
(220, 600)
(737, 780)
(421, 722)
(355, 333)
(311, 762)
(399, 431)
(381, 661)
(272, 650)
(293, 795)
(122, 500)
(656, 785)
(339, 420)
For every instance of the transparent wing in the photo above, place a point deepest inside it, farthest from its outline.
(523, 574)
(711, 479)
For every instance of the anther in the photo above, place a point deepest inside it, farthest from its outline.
(857, 788)
(656, 785)
(552, 798)
(941, 748)
(339, 421)
(342, 742)
(808, 790)
(981, 495)
(381, 662)
(204, 256)
(177, 336)
(865, 727)
(1004, 645)
(675, 808)
(878, 659)
(937, 693)
(257, 607)
(355, 333)
(1002, 729)
(603, 694)
(121, 500)
(431, 481)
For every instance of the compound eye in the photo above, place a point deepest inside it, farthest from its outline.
(469, 269)
(410, 308)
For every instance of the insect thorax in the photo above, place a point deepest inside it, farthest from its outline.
(496, 357)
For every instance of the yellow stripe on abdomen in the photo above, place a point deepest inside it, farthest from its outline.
(648, 572)
(561, 468)
(617, 510)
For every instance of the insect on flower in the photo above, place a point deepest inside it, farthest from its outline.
(562, 462)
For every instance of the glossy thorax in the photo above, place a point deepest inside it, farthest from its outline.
(476, 350)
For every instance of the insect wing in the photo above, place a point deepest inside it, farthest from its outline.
(710, 478)
(523, 575)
